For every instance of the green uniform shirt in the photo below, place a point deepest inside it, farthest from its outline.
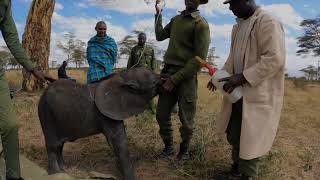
(10, 35)
(147, 58)
(189, 37)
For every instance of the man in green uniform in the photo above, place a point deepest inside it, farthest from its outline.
(8, 122)
(142, 55)
(189, 37)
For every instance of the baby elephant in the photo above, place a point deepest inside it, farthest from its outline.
(68, 111)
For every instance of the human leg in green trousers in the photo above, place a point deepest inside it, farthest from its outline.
(9, 131)
(245, 167)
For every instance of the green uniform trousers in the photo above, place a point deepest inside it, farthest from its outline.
(9, 131)
(246, 167)
(185, 94)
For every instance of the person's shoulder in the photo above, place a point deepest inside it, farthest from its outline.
(92, 39)
(176, 17)
(202, 21)
(267, 17)
(149, 49)
(109, 38)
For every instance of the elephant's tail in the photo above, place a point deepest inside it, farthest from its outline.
(45, 115)
(42, 108)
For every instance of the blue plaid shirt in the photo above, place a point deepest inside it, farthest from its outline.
(101, 56)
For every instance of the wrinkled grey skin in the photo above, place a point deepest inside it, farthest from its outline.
(67, 112)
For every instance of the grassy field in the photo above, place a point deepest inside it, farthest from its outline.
(295, 154)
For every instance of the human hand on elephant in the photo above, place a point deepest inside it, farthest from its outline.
(41, 76)
(168, 85)
(233, 82)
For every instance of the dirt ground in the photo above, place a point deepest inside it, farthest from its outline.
(295, 154)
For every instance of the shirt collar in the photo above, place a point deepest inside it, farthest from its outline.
(193, 14)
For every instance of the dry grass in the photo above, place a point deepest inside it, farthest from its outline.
(295, 155)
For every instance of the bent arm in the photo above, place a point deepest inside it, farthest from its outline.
(161, 33)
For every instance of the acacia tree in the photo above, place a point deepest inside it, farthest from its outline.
(79, 53)
(68, 47)
(74, 49)
(212, 56)
(36, 39)
(310, 40)
(310, 72)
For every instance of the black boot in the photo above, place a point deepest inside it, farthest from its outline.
(183, 154)
(167, 151)
(231, 174)
(9, 178)
(244, 177)
(235, 170)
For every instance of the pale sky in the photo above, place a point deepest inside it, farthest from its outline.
(124, 16)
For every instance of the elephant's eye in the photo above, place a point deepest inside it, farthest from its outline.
(132, 87)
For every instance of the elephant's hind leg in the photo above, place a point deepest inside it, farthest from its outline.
(52, 142)
(60, 160)
(53, 165)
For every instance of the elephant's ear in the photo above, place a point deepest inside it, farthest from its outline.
(119, 100)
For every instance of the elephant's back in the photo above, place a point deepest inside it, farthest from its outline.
(69, 95)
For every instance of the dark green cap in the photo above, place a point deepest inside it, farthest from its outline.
(227, 1)
(204, 1)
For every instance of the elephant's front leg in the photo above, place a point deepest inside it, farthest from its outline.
(115, 132)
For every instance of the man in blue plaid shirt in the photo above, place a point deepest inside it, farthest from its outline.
(101, 54)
